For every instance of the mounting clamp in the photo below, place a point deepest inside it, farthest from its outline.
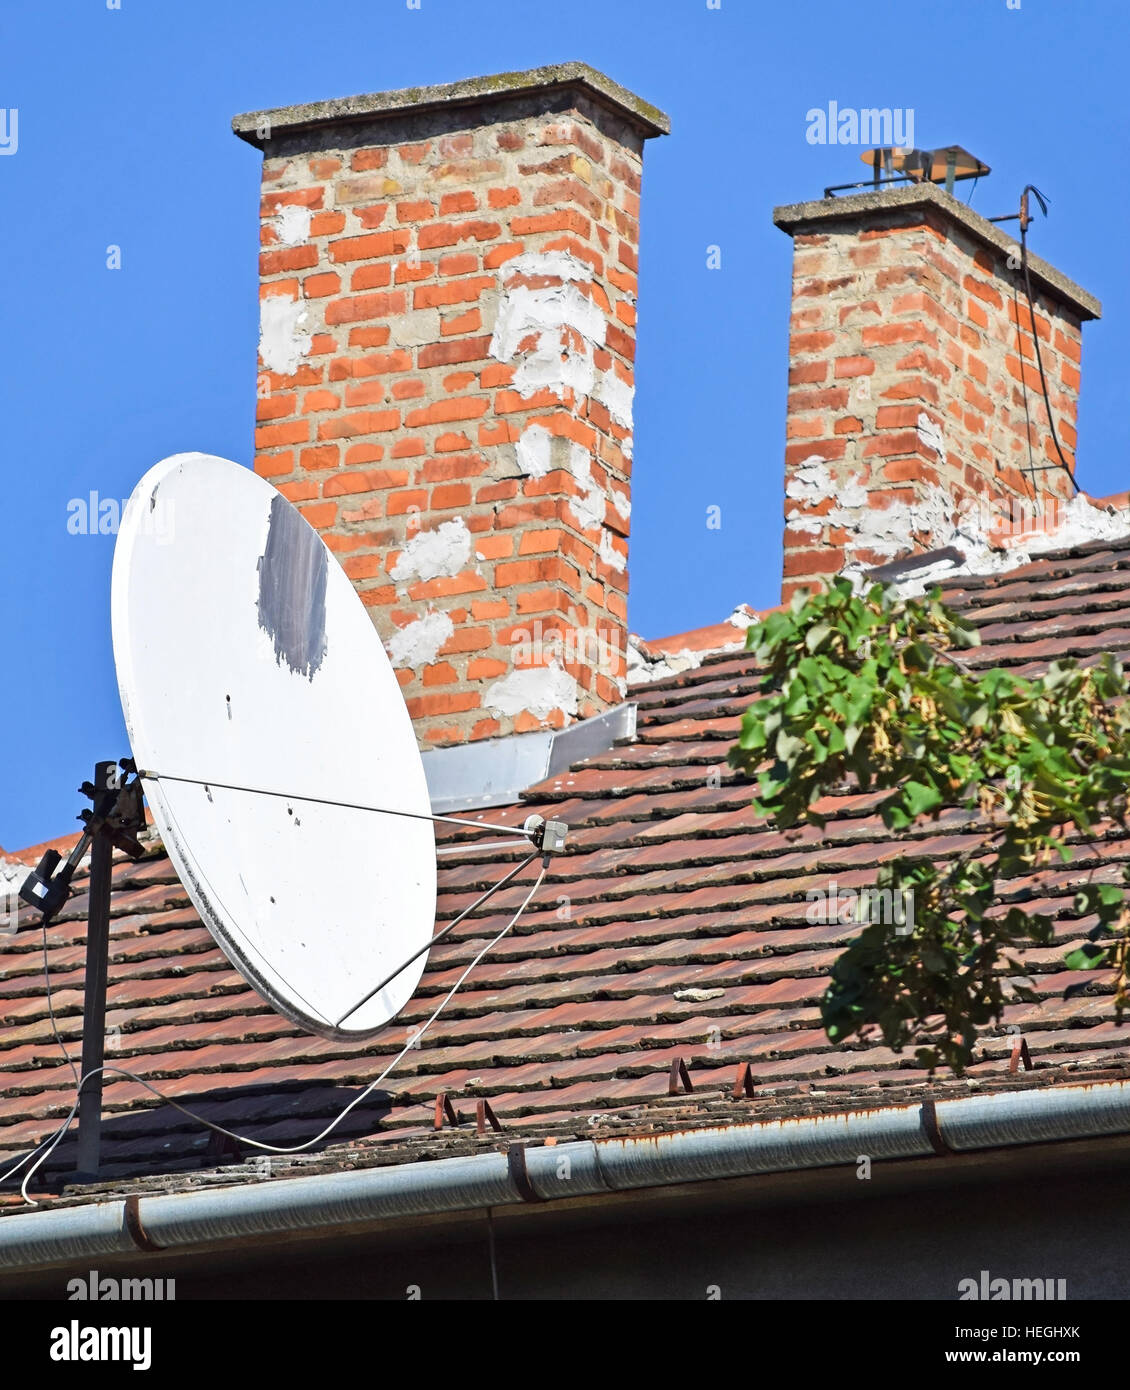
(546, 835)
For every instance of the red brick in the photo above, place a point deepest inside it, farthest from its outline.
(447, 354)
(326, 456)
(451, 204)
(452, 233)
(462, 263)
(439, 412)
(274, 465)
(451, 495)
(363, 422)
(415, 499)
(290, 258)
(368, 159)
(276, 407)
(453, 324)
(327, 223)
(371, 277)
(885, 334)
(457, 292)
(854, 366)
(372, 336)
(366, 306)
(318, 286)
(442, 673)
(365, 248)
(983, 291)
(418, 211)
(371, 218)
(499, 255)
(365, 453)
(321, 515)
(424, 706)
(343, 483)
(566, 220)
(269, 436)
(295, 197)
(896, 417)
(371, 392)
(481, 668)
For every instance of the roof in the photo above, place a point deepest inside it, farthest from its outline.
(673, 928)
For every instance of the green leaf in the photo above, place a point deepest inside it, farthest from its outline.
(816, 634)
(920, 797)
(1088, 957)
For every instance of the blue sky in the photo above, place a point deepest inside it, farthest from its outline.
(124, 139)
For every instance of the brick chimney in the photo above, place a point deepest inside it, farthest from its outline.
(448, 310)
(915, 409)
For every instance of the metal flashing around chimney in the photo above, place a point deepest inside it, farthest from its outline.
(911, 564)
(495, 772)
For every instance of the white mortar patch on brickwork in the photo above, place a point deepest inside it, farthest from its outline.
(535, 451)
(418, 643)
(432, 554)
(614, 392)
(556, 363)
(1081, 522)
(558, 264)
(589, 509)
(292, 224)
(282, 343)
(536, 690)
(973, 527)
(930, 435)
(609, 554)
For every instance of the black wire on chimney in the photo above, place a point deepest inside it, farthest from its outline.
(1024, 219)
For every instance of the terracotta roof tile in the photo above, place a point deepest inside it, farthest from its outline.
(674, 926)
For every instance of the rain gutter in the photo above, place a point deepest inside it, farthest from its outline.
(546, 1173)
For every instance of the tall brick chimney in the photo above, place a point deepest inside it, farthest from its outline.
(915, 407)
(448, 310)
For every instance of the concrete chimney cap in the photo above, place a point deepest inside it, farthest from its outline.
(474, 91)
(825, 212)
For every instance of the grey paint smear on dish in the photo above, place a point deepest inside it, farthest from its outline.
(292, 590)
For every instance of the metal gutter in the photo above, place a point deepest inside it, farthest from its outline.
(546, 1173)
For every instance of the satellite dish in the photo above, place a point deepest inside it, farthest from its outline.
(246, 660)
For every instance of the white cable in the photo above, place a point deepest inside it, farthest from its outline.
(57, 1138)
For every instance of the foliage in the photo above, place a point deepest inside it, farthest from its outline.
(866, 689)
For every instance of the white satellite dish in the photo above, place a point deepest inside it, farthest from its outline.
(246, 660)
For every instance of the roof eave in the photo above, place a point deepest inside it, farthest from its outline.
(176, 1222)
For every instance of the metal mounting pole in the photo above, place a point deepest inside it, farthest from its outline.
(106, 779)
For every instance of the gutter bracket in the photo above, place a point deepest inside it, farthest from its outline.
(933, 1129)
(444, 1108)
(483, 1113)
(1020, 1054)
(131, 1219)
(679, 1074)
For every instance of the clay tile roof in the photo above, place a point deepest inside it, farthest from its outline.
(674, 927)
